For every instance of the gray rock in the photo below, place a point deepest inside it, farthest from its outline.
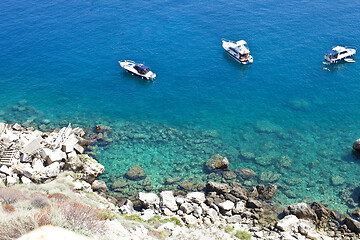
(187, 208)
(149, 200)
(239, 192)
(213, 215)
(99, 186)
(239, 207)
(217, 187)
(127, 208)
(217, 162)
(167, 200)
(227, 205)
(79, 148)
(287, 223)
(352, 224)
(301, 211)
(196, 197)
(323, 212)
(252, 203)
(356, 145)
(234, 219)
(253, 193)
(135, 173)
(269, 192)
(47, 172)
(190, 219)
(91, 168)
(197, 211)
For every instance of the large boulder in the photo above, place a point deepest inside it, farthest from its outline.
(356, 145)
(135, 173)
(239, 192)
(167, 200)
(99, 186)
(196, 197)
(352, 224)
(301, 211)
(91, 168)
(217, 162)
(323, 212)
(227, 205)
(269, 192)
(245, 173)
(287, 223)
(149, 200)
(219, 188)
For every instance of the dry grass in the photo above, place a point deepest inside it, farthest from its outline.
(39, 200)
(9, 196)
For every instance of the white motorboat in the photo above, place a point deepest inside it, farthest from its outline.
(339, 53)
(137, 69)
(238, 50)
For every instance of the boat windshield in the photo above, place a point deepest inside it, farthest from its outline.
(142, 69)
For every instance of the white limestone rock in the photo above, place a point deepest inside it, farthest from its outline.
(55, 156)
(69, 144)
(187, 208)
(82, 186)
(10, 180)
(17, 127)
(4, 169)
(287, 223)
(179, 200)
(147, 214)
(239, 207)
(79, 148)
(149, 200)
(47, 172)
(91, 168)
(168, 201)
(227, 205)
(197, 211)
(213, 215)
(37, 164)
(196, 197)
(190, 219)
(25, 180)
(127, 208)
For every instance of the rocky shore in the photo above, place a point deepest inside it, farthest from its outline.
(219, 209)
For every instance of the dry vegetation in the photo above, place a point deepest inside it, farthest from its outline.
(26, 207)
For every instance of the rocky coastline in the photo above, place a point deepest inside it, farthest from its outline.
(218, 209)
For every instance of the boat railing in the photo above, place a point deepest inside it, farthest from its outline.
(129, 61)
(226, 40)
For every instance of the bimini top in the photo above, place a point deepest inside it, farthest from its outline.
(332, 52)
(141, 66)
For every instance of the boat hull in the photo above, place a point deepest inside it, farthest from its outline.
(129, 67)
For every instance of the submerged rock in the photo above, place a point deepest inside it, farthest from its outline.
(337, 180)
(217, 187)
(269, 192)
(245, 173)
(269, 177)
(217, 162)
(135, 173)
(356, 145)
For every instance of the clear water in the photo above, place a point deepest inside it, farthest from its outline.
(61, 58)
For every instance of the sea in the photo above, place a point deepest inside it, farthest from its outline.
(285, 117)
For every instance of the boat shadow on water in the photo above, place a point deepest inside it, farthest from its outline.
(335, 66)
(235, 64)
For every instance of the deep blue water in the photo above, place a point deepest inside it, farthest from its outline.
(61, 57)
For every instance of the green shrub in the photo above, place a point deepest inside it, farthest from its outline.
(134, 217)
(243, 235)
(229, 229)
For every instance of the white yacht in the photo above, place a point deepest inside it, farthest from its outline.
(238, 50)
(137, 69)
(339, 53)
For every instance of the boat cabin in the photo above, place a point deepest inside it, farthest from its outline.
(140, 68)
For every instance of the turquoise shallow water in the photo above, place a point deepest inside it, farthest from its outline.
(61, 58)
